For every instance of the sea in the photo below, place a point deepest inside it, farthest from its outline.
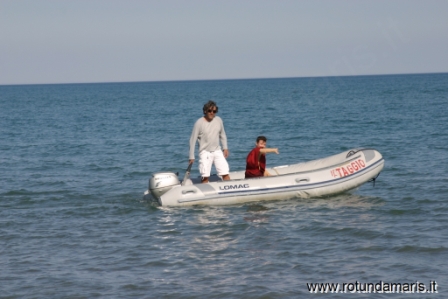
(75, 160)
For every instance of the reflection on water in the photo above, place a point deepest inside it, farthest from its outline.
(257, 213)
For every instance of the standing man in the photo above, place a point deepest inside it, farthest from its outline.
(209, 130)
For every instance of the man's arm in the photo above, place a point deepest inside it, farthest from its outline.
(193, 139)
(223, 138)
(269, 150)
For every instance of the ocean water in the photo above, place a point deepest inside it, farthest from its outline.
(75, 160)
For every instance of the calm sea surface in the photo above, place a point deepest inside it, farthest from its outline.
(75, 160)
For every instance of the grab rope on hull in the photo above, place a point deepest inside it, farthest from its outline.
(373, 179)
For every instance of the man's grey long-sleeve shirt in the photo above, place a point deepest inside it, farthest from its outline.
(208, 133)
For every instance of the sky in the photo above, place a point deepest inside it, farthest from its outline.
(79, 41)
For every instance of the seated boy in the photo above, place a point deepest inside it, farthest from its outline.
(256, 159)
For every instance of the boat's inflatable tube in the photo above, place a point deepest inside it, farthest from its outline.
(331, 175)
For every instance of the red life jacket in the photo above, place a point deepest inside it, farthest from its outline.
(255, 168)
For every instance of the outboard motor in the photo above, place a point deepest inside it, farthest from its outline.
(161, 182)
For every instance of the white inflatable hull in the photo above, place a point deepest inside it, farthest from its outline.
(323, 177)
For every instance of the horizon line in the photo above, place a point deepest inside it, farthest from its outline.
(223, 79)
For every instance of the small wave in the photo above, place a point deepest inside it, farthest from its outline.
(399, 212)
(410, 248)
(257, 219)
(25, 192)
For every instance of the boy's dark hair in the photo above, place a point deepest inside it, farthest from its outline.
(261, 138)
(209, 105)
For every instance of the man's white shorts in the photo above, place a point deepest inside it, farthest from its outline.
(206, 159)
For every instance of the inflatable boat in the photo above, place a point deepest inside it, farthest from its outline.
(317, 178)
